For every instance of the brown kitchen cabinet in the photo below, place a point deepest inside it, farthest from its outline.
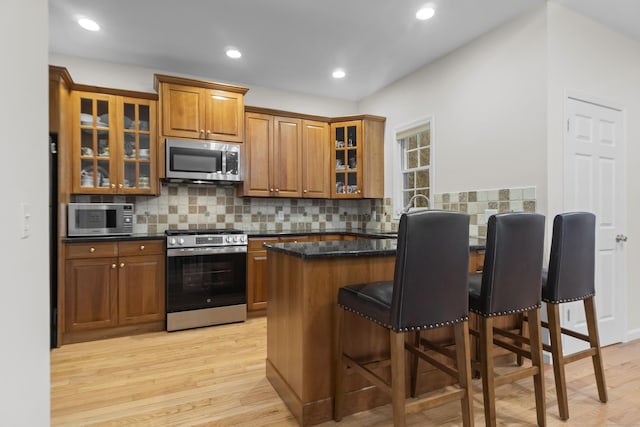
(285, 157)
(273, 154)
(114, 144)
(201, 110)
(357, 147)
(112, 288)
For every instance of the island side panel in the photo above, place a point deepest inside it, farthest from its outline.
(322, 278)
(285, 320)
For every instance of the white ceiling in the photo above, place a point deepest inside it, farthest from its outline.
(294, 45)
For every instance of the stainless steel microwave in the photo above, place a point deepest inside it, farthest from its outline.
(99, 219)
(200, 161)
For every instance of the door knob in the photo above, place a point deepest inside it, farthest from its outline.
(621, 238)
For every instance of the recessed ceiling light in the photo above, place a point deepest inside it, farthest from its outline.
(425, 13)
(338, 74)
(233, 53)
(88, 24)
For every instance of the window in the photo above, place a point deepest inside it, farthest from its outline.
(415, 147)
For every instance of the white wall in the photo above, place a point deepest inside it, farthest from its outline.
(489, 103)
(589, 58)
(24, 304)
(119, 76)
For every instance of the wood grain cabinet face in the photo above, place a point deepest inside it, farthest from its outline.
(285, 157)
(114, 284)
(202, 113)
(114, 144)
(357, 161)
(257, 273)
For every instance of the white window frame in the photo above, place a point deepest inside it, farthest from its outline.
(398, 170)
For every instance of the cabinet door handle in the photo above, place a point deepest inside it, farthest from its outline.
(271, 189)
(92, 249)
(208, 132)
(113, 186)
(121, 264)
(304, 191)
(142, 247)
(113, 266)
(277, 190)
(120, 185)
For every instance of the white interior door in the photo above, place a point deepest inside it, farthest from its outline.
(595, 182)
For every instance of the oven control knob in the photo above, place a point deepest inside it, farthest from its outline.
(172, 242)
(235, 239)
(181, 241)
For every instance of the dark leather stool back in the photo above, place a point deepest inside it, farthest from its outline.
(571, 274)
(512, 264)
(430, 283)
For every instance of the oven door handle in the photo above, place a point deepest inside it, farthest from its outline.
(206, 251)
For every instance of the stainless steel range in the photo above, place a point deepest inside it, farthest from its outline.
(206, 277)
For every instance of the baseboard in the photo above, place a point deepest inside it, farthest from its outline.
(632, 334)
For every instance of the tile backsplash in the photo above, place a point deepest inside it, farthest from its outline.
(218, 206)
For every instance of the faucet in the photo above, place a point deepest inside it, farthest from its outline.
(412, 199)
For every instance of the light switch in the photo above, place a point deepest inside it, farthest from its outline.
(26, 220)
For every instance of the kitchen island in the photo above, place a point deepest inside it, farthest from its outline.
(304, 279)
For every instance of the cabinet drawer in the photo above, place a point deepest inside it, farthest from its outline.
(91, 250)
(256, 243)
(141, 247)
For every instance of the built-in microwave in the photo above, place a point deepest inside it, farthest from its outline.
(200, 161)
(99, 219)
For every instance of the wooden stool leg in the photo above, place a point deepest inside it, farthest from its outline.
(555, 335)
(396, 343)
(415, 363)
(536, 360)
(594, 338)
(486, 370)
(463, 355)
(339, 392)
(524, 333)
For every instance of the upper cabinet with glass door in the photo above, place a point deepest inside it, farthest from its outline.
(357, 169)
(114, 144)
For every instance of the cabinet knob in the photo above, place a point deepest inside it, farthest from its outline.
(92, 249)
(113, 186)
(271, 189)
(121, 264)
(277, 189)
(201, 131)
(208, 132)
(113, 266)
(120, 185)
(359, 191)
(142, 247)
(304, 191)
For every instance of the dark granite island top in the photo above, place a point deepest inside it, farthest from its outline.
(348, 248)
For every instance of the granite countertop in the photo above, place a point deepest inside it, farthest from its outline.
(359, 233)
(93, 239)
(336, 248)
(348, 248)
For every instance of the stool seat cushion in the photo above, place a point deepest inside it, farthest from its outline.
(370, 300)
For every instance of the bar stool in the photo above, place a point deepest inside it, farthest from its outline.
(509, 284)
(429, 291)
(571, 278)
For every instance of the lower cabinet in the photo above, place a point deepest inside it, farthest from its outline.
(113, 288)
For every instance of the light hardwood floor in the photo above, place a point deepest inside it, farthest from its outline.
(216, 376)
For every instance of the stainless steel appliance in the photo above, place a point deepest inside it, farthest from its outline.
(99, 219)
(206, 278)
(197, 161)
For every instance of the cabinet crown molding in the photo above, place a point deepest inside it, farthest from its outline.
(163, 78)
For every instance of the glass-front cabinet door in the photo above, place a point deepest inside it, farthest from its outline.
(346, 176)
(93, 146)
(114, 148)
(136, 146)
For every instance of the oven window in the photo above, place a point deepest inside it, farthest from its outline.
(203, 281)
(195, 160)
